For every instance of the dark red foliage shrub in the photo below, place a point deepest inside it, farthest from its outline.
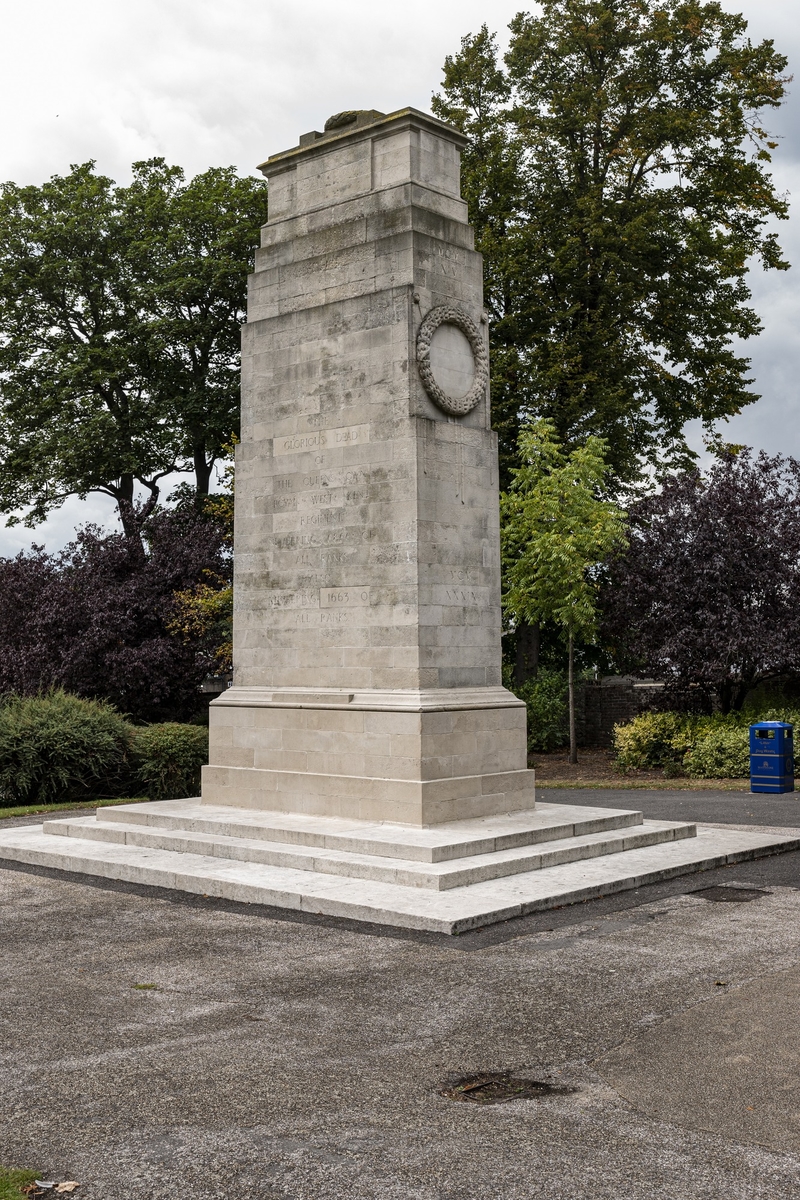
(94, 619)
(707, 596)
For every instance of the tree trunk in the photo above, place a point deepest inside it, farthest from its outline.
(526, 661)
(127, 512)
(724, 697)
(573, 745)
(130, 526)
(740, 690)
(133, 517)
(202, 470)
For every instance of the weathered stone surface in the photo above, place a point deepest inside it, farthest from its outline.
(367, 539)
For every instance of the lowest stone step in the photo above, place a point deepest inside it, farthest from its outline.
(452, 911)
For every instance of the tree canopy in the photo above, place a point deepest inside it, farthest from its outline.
(120, 311)
(618, 178)
(707, 595)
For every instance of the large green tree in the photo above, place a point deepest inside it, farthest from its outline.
(120, 311)
(618, 177)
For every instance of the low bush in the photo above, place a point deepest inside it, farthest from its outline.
(722, 752)
(792, 715)
(653, 740)
(545, 697)
(61, 747)
(168, 759)
(715, 747)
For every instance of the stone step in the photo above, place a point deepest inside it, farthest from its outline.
(439, 876)
(457, 839)
(450, 912)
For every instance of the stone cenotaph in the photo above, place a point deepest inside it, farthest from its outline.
(367, 761)
(367, 579)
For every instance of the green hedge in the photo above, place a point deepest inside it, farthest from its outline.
(722, 752)
(62, 748)
(714, 747)
(545, 697)
(168, 759)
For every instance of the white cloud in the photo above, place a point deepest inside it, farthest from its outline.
(204, 82)
(208, 83)
(60, 526)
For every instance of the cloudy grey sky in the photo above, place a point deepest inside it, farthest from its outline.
(231, 81)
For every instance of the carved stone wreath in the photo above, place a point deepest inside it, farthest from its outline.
(449, 314)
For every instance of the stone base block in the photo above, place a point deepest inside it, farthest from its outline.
(417, 758)
(402, 801)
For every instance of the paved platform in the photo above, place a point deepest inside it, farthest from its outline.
(446, 879)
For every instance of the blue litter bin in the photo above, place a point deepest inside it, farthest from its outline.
(771, 757)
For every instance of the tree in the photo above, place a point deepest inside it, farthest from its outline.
(203, 613)
(556, 530)
(204, 617)
(120, 312)
(707, 594)
(617, 176)
(98, 618)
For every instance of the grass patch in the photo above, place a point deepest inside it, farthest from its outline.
(12, 1182)
(664, 785)
(24, 810)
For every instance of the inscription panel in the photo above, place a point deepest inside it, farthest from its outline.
(281, 598)
(281, 502)
(314, 618)
(347, 597)
(314, 440)
(461, 596)
(324, 518)
(298, 541)
(315, 481)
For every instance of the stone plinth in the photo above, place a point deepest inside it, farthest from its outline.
(367, 587)
(419, 758)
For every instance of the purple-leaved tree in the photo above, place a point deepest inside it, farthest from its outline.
(97, 619)
(708, 591)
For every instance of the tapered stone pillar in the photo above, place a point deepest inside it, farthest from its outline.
(367, 652)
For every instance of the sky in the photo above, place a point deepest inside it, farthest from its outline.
(209, 84)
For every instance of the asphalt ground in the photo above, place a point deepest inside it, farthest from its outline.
(273, 1056)
(711, 807)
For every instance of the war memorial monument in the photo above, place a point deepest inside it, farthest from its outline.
(367, 761)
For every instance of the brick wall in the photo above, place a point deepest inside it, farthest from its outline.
(602, 705)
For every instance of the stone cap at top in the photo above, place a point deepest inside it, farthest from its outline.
(342, 122)
(362, 151)
(351, 125)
